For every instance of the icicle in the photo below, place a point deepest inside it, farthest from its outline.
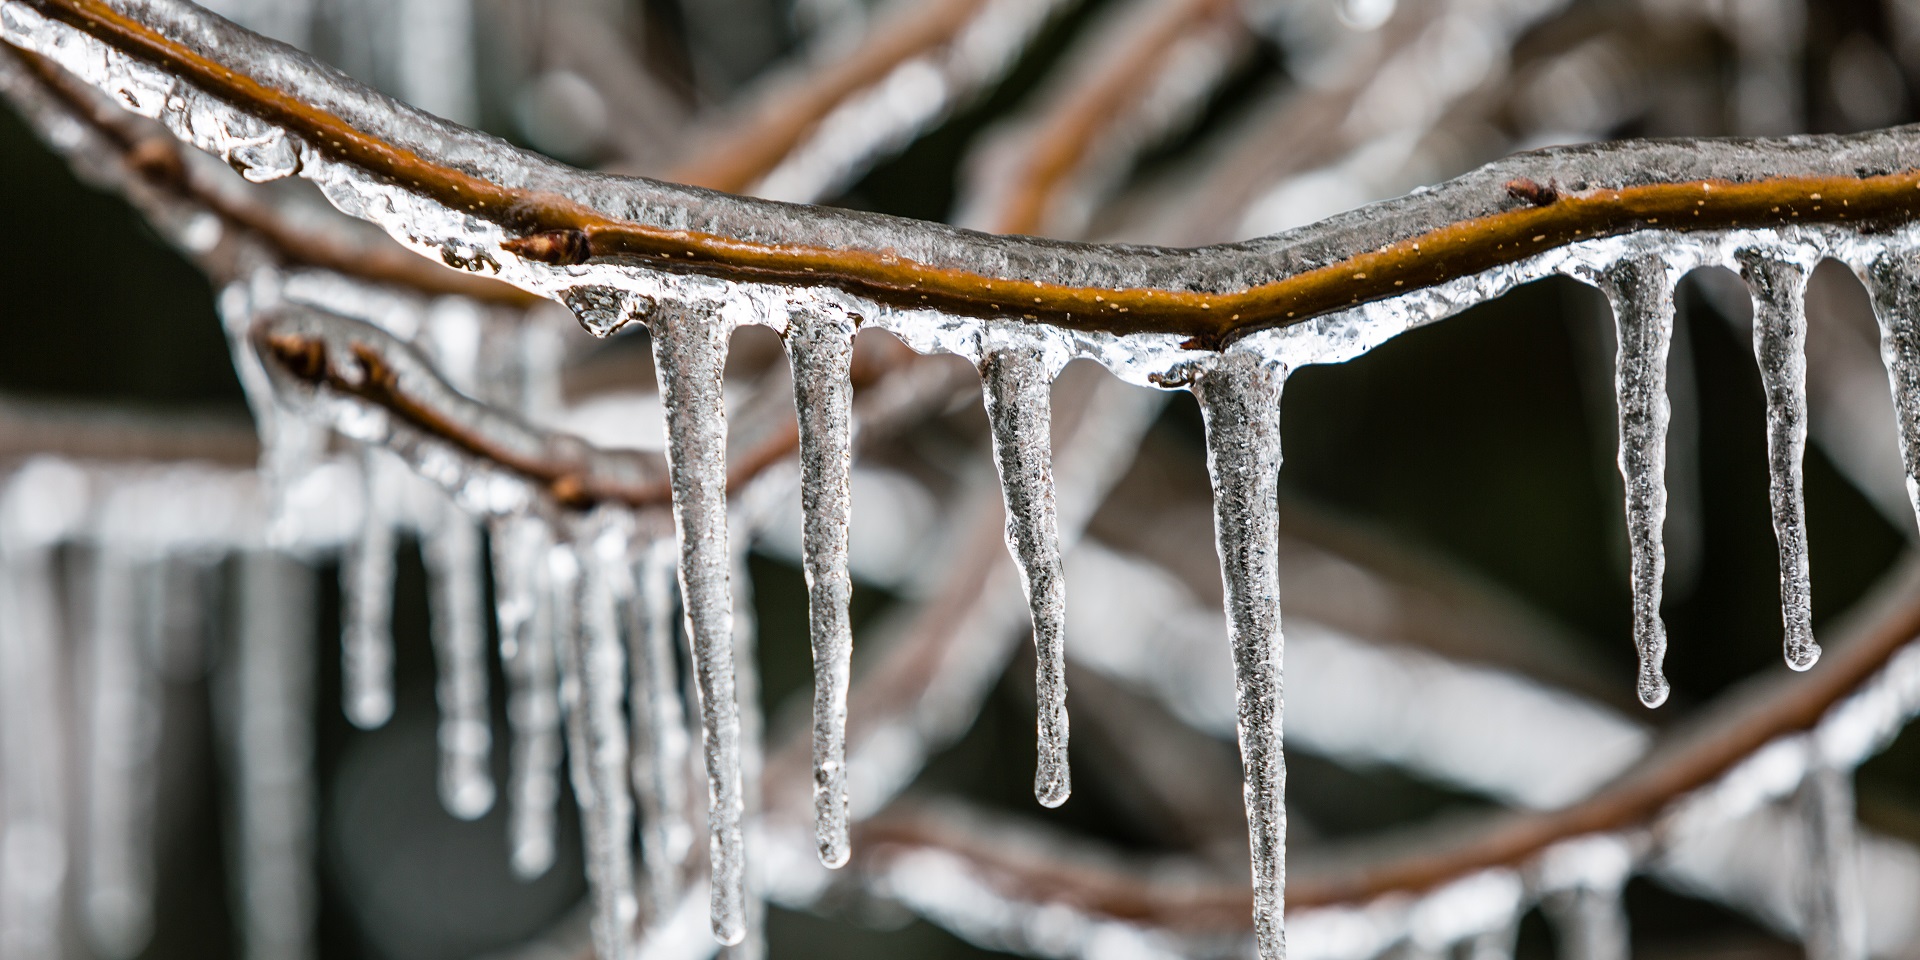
(1834, 924)
(366, 581)
(1642, 301)
(32, 747)
(453, 560)
(272, 735)
(525, 604)
(821, 347)
(1020, 412)
(1240, 400)
(1894, 283)
(689, 350)
(1590, 923)
(660, 736)
(123, 704)
(753, 944)
(1779, 344)
(597, 740)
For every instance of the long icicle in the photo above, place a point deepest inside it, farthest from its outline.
(1019, 410)
(597, 740)
(1779, 345)
(1590, 923)
(1893, 281)
(689, 351)
(366, 583)
(524, 603)
(660, 736)
(820, 346)
(453, 560)
(271, 732)
(1642, 298)
(1240, 400)
(124, 704)
(1834, 924)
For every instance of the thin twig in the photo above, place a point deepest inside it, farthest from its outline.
(1118, 80)
(735, 157)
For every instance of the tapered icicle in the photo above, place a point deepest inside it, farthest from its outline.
(689, 350)
(594, 662)
(1642, 297)
(458, 598)
(33, 738)
(1893, 280)
(1240, 400)
(524, 602)
(1834, 923)
(123, 703)
(1779, 344)
(1019, 410)
(820, 345)
(1589, 923)
(272, 734)
(660, 735)
(366, 583)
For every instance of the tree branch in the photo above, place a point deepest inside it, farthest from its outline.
(1211, 296)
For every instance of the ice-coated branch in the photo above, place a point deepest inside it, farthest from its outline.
(317, 351)
(548, 218)
(147, 155)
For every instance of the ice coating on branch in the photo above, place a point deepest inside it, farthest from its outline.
(1834, 924)
(124, 733)
(523, 602)
(689, 352)
(453, 560)
(366, 586)
(820, 345)
(1019, 410)
(660, 735)
(594, 663)
(1240, 399)
(1642, 297)
(1779, 344)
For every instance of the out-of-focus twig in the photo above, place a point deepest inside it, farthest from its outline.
(1104, 94)
(733, 157)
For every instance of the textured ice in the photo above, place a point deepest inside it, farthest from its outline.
(1779, 344)
(689, 350)
(452, 553)
(1019, 412)
(1641, 292)
(821, 348)
(1240, 399)
(366, 586)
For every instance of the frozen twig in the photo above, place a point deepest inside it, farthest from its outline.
(1500, 214)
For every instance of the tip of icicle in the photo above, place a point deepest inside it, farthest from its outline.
(469, 801)
(1052, 794)
(1655, 693)
(728, 934)
(370, 712)
(833, 856)
(1803, 660)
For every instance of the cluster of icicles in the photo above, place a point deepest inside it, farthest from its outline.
(581, 611)
(602, 606)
